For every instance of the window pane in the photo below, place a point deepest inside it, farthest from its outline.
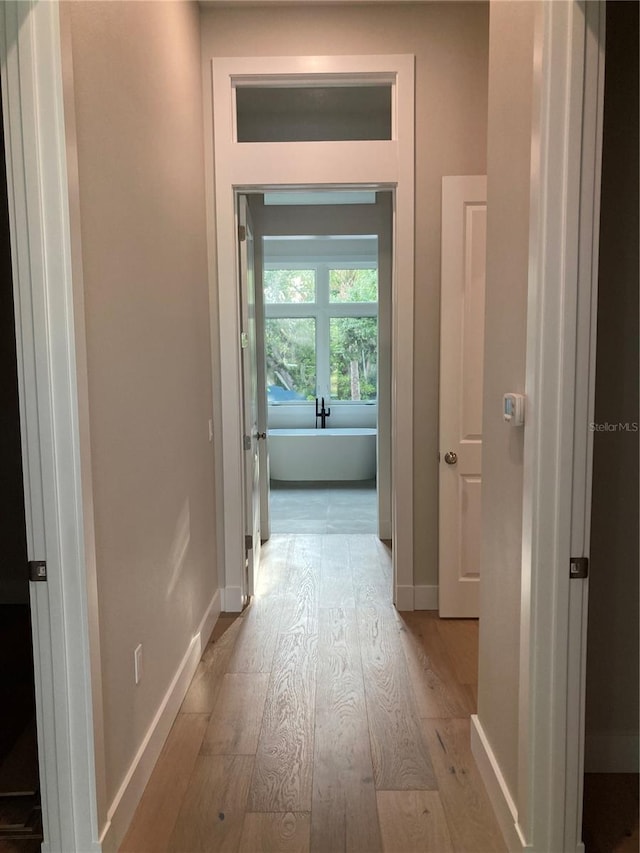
(289, 286)
(291, 359)
(313, 113)
(354, 358)
(353, 285)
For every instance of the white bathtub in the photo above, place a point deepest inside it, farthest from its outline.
(322, 454)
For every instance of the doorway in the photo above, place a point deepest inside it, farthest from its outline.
(359, 162)
(323, 305)
(20, 815)
(611, 748)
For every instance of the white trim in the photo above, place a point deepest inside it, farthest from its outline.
(51, 420)
(501, 800)
(586, 309)
(554, 481)
(247, 166)
(232, 599)
(612, 752)
(404, 598)
(425, 597)
(128, 796)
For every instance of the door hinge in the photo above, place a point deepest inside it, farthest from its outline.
(248, 542)
(244, 340)
(242, 233)
(37, 570)
(246, 442)
(579, 567)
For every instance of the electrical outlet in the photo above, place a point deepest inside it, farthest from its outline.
(137, 663)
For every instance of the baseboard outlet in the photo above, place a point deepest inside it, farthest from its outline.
(126, 800)
(425, 598)
(404, 598)
(612, 752)
(503, 806)
(232, 599)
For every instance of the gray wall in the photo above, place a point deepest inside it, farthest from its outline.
(508, 177)
(450, 42)
(138, 107)
(612, 651)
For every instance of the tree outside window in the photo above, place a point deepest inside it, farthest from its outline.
(321, 333)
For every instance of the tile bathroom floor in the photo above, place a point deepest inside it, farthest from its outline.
(332, 507)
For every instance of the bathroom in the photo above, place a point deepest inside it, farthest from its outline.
(323, 261)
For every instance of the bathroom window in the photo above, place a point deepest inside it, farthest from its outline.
(353, 285)
(291, 286)
(322, 322)
(353, 358)
(290, 351)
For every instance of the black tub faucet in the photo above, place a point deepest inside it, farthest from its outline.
(322, 413)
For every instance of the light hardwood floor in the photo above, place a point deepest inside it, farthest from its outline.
(323, 720)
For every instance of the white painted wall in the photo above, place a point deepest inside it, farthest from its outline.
(450, 42)
(142, 239)
(508, 180)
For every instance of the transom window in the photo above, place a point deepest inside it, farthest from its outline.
(321, 323)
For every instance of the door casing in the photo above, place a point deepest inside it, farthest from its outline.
(253, 166)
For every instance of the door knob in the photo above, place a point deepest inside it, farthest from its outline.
(451, 457)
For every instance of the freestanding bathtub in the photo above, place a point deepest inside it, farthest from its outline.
(322, 454)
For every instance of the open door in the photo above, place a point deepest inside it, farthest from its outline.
(464, 225)
(20, 816)
(252, 436)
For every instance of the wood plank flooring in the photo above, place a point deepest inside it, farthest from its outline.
(323, 721)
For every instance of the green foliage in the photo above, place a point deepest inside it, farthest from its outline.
(353, 285)
(290, 348)
(353, 341)
(289, 286)
(354, 358)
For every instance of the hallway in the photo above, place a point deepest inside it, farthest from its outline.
(322, 720)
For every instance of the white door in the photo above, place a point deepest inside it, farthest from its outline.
(464, 220)
(252, 436)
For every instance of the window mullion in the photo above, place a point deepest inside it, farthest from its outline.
(322, 331)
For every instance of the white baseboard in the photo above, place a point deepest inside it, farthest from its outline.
(126, 800)
(385, 529)
(425, 597)
(615, 752)
(404, 598)
(501, 800)
(232, 599)
(416, 598)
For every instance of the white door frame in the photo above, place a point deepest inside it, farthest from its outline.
(560, 373)
(50, 359)
(247, 166)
